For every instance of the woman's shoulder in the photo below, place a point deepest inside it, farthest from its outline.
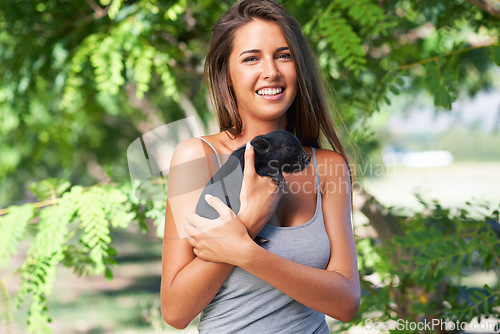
(332, 166)
(329, 157)
(189, 149)
(194, 148)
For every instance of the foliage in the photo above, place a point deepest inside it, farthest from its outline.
(80, 81)
(6, 317)
(73, 230)
(421, 275)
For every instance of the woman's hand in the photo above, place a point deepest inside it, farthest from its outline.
(218, 240)
(259, 196)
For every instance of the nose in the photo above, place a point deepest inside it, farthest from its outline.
(270, 71)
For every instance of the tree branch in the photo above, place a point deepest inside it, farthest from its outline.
(490, 6)
(54, 201)
(384, 222)
(98, 11)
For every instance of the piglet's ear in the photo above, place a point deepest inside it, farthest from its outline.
(261, 145)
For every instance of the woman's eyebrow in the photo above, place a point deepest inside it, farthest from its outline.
(250, 51)
(259, 51)
(282, 48)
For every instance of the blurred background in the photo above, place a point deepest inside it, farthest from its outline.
(451, 156)
(414, 87)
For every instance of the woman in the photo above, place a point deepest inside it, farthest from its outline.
(263, 77)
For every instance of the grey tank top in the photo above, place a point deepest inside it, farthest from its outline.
(247, 304)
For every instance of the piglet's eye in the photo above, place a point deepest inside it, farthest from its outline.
(288, 149)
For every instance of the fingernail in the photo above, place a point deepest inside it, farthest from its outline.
(207, 197)
(249, 146)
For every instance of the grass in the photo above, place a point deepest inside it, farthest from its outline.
(452, 185)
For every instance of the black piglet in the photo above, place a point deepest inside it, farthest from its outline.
(275, 152)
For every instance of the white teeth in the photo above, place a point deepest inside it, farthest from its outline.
(270, 91)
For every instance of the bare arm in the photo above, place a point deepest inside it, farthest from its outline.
(334, 291)
(329, 292)
(188, 282)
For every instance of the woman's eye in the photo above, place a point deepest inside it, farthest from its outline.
(285, 56)
(253, 58)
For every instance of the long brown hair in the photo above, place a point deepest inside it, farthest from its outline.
(308, 115)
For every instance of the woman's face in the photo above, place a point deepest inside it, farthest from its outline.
(262, 72)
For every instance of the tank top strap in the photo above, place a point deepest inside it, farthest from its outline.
(315, 166)
(216, 154)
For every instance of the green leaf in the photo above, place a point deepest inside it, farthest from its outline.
(6, 312)
(112, 251)
(12, 228)
(394, 90)
(95, 226)
(49, 188)
(495, 54)
(475, 297)
(436, 85)
(108, 274)
(114, 8)
(469, 257)
(344, 41)
(38, 319)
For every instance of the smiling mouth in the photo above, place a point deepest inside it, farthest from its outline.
(270, 91)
